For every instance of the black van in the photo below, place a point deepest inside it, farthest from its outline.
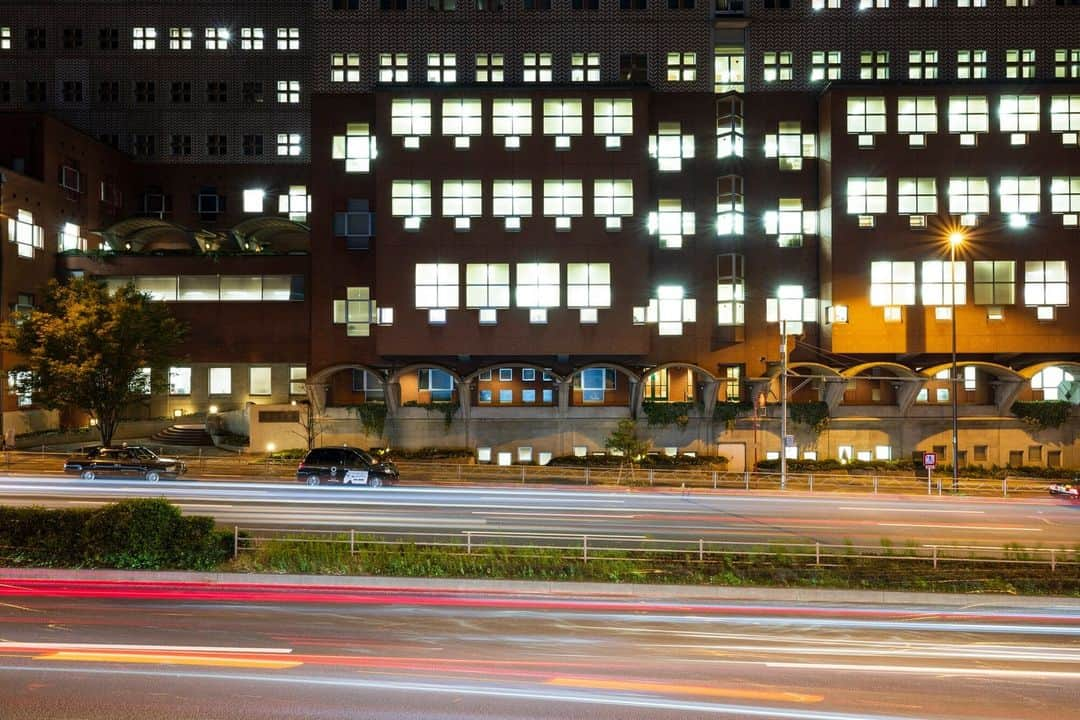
(347, 466)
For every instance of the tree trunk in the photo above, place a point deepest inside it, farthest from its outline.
(108, 421)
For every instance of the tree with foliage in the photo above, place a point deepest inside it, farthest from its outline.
(624, 439)
(87, 348)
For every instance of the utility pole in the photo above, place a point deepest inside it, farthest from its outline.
(783, 404)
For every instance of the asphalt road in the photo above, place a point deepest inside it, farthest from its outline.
(725, 516)
(125, 651)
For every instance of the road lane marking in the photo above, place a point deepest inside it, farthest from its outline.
(961, 527)
(914, 510)
(576, 516)
(17, 645)
(654, 687)
(930, 670)
(171, 659)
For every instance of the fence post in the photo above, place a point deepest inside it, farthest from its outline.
(236, 541)
(585, 548)
(817, 553)
(586, 474)
(935, 557)
(1005, 487)
(746, 478)
(938, 484)
(352, 541)
(1053, 563)
(811, 479)
(875, 484)
(468, 543)
(522, 474)
(701, 550)
(714, 477)
(650, 477)
(459, 472)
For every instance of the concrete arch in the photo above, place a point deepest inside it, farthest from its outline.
(397, 374)
(677, 364)
(468, 379)
(630, 374)
(897, 368)
(1031, 371)
(998, 370)
(817, 367)
(329, 371)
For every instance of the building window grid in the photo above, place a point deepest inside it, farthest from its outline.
(411, 200)
(345, 67)
(216, 38)
(790, 145)
(1065, 199)
(356, 147)
(970, 64)
(5, 38)
(252, 38)
(563, 199)
(511, 199)
(588, 287)
(825, 65)
(536, 67)
(1020, 195)
(612, 200)
(969, 195)
(944, 283)
(730, 205)
(922, 64)
(670, 147)
(437, 289)
(143, 38)
(584, 67)
(867, 196)
(27, 236)
(729, 127)
(730, 291)
(1019, 63)
(916, 195)
(288, 38)
(537, 288)
(393, 67)
(1067, 63)
(778, 66)
(729, 69)
(892, 284)
(1046, 283)
(994, 282)
(874, 65)
(357, 312)
(866, 117)
(969, 115)
(410, 118)
(461, 200)
(180, 38)
(916, 117)
(288, 91)
(490, 68)
(563, 118)
(681, 66)
(442, 67)
(487, 287)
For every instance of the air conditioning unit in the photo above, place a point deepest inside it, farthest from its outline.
(70, 179)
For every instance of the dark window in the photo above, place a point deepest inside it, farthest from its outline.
(253, 145)
(1016, 458)
(980, 453)
(393, 4)
(180, 145)
(217, 145)
(72, 38)
(217, 91)
(1067, 2)
(145, 91)
(110, 139)
(35, 38)
(355, 225)
(537, 4)
(181, 92)
(35, 91)
(1053, 458)
(489, 4)
(345, 4)
(633, 4)
(5, 91)
(680, 4)
(109, 91)
(442, 5)
(144, 145)
(782, 4)
(208, 202)
(108, 39)
(585, 4)
(72, 90)
(634, 67)
(252, 92)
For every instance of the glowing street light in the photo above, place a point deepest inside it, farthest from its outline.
(956, 239)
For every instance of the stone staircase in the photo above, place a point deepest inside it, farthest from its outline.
(193, 435)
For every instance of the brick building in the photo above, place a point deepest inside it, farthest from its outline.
(554, 212)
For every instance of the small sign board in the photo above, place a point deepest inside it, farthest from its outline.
(789, 441)
(929, 460)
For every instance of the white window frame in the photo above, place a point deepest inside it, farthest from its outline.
(410, 119)
(563, 200)
(442, 68)
(260, 380)
(536, 67)
(143, 38)
(892, 283)
(411, 200)
(288, 38)
(670, 147)
(252, 38)
(670, 223)
(942, 278)
(344, 67)
(219, 381)
(585, 67)
(180, 38)
(393, 67)
(357, 147)
(490, 68)
(613, 200)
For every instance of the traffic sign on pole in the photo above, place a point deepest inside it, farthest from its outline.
(929, 460)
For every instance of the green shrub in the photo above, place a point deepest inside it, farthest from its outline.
(1043, 414)
(668, 413)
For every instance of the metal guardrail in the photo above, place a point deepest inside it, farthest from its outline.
(596, 547)
(262, 468)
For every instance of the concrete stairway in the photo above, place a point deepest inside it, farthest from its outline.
(193, 435)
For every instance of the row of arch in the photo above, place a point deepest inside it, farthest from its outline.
(258, 234)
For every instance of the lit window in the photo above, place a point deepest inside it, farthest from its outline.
(917, 195)
(1065, 117)
(439, 383)
(594, 383)
(461, 119)
(511, 118)
(825, 4)
(562, 118)
(536, 67)
(1019, 64)
(613, 118)
(585, 67)
(487, 289)
(179, 381)
(5, 38)
(670, 147)
(969, 196)
(220, 381)
(1049, 380)
(490, 68)
(253, 200)
(288, 91)
(297, 203)
(461, 200)
(994, 282)
(345, 67)
(867, 196)
(1046, 283)
(681, 67)
(729, 69)
(970, 64)
(143, 38)
(512, 200)
(70, 238)
(970, 3)
(777, 66)
(730, 290)
(1065, 199)
(1019, 198)
(288, 144)
(288, 38)
(357, 312)
(356, 147)
(867, 4)
(252, 38)
(789, 222)
(657, 384)
(217, 38)
(410, 118)
(1019, 115)
(944, 283)
(730, 205)
(790, 145)
(922, 64)
(411, 199)
(25, 234)
(180, 38)
(1067, 63)
(922, 3)
(892, 283)
(791, 308)
(563, 200)
(866, 118)
(824, 65)
(588, 288)
(441, 68)
(613, 200)
(729, 126)
(669, 310)
(671, 223)
(874, 65)
(968, 116)
(393, 67)
(916, 117)
(437, 289)
(259, 381)
(297, 380)
(537, 289)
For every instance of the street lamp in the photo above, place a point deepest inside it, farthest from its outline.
(956, 239)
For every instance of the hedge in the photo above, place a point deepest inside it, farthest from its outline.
(140, 533)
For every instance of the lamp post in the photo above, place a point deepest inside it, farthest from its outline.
(783, 404)
(956, 239)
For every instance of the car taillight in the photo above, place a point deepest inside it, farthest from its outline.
(300, 467)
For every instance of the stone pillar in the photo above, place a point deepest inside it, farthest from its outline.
(393, 398)
(464, 398)
(834, 392)
(906, 394)
(637, 398)
(564, 395)
(1005, 394)
(711, 388)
